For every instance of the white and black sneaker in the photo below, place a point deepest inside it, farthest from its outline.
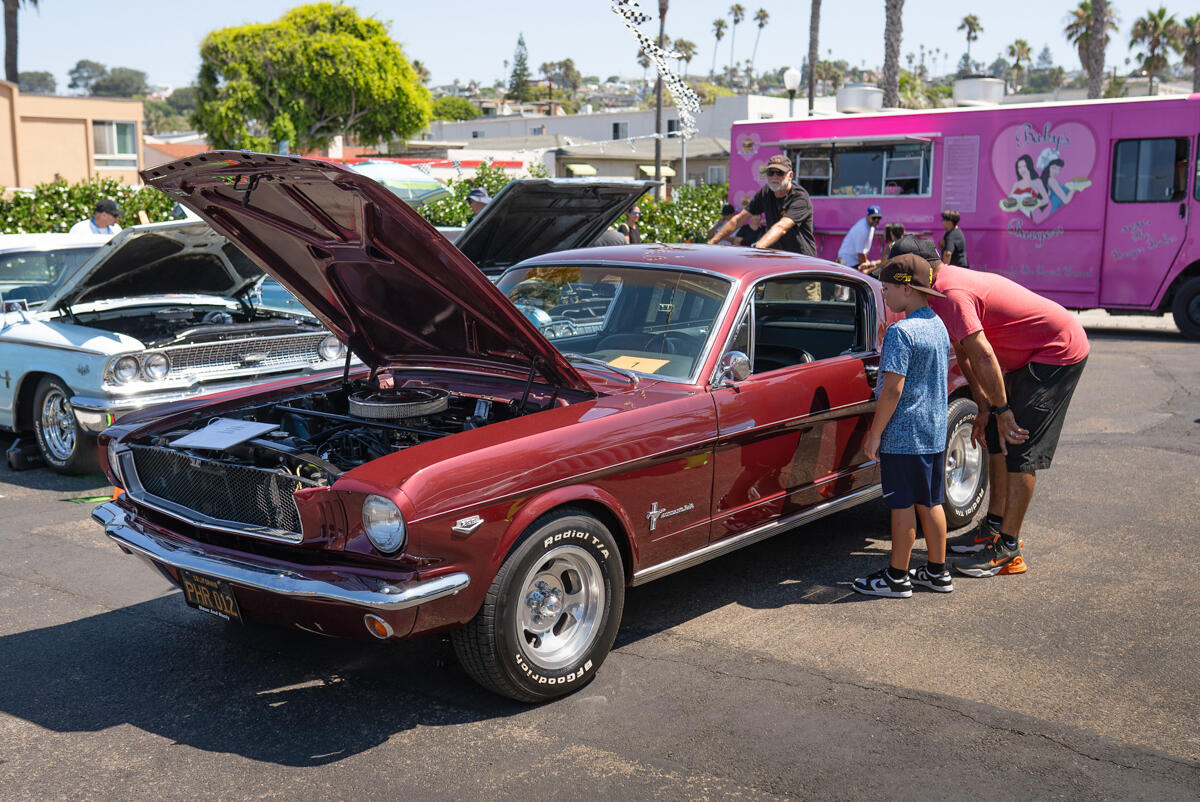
(942, 582)
(881, 584)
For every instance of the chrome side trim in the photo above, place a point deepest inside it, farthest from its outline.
(56, 346)
(723, 547)
(357, 591)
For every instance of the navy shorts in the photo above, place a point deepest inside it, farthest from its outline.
(910, 479)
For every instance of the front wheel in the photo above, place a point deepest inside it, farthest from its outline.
(966, 466)
(551, 614)
(1186, 309)
(64, 445)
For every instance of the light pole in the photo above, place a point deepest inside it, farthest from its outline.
(658, 89)
(791, 80)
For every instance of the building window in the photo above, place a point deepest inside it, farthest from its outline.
(114, 145)
(717, 174)
(478, 134)
(672, 126)
(1149, 170)
(620, 130)
(537, 130)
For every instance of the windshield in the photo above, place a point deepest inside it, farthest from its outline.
(641, 319)
(31, 275)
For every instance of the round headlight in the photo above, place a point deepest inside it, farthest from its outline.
(331, 348)
(125, 369)
(155, 366)
(383, 523)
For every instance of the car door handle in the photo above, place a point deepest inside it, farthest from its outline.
(872, 374)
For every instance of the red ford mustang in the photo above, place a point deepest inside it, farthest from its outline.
(513, 455)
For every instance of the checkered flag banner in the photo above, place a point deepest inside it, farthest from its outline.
(687, 102)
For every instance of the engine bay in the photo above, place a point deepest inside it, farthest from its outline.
(162, 326)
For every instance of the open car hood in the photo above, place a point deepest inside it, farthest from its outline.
(532, 216)
(186, 258)
(369, 267)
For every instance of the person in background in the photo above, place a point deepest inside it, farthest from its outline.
(786, 206)
(477, 199)
(953, 246)
(857, 243)
(891, 233)
(748, 234)
(102, 221)
(633, 234)
(727, 211)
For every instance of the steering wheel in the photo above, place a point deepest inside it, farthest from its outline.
(675, 342)
(805, 356)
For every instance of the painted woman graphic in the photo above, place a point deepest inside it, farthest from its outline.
(1028, 193)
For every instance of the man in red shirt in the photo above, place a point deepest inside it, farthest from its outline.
(1022, 355)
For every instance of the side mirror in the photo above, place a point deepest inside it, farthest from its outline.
(734, 367)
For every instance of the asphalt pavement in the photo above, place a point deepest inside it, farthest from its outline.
(756, 676)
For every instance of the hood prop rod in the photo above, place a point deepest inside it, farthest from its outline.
(528, 384)
(346, 370)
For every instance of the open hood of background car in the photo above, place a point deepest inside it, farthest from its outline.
(533, 216)
(186, 258)
(368, 266)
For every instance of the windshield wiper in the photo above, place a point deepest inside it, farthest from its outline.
(600, 363)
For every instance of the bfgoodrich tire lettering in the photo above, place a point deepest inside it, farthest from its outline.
(966, 466)
(65, 447)
(552, 612)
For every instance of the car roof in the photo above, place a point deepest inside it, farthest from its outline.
(737, 264)
(45, 242)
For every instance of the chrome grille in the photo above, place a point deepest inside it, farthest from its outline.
(248, 500)
(287, 351)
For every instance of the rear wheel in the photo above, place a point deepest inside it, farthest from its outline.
(1186, 309)
(966, 466)
(65, 447)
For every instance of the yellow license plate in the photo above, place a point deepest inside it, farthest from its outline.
(209, 595)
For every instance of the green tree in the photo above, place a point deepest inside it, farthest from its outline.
(519, 86)
(737, 13)
(761, 17)
(85, 73)
(450, 107)
(972, 26)
(10, 38)
(1019, 51)
(687, 51)
(719, 26)
(57, 205)
(1158, 33)
(319, 71)
(38, 82)
(421, 70)
(568, 76)
(1190, 42)
(183, 100)
(120, 82)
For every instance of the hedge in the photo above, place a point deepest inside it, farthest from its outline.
(58, 205)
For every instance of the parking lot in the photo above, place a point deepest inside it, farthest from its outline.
(758, 675)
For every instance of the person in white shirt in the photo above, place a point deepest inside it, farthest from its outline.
(103, 221)
(859, 238)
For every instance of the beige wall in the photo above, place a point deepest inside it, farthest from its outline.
(52, 136)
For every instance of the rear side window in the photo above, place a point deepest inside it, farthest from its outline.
(1150, 170)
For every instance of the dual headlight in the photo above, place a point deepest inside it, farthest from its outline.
(152, 366)
(383, 523)
(331, 348)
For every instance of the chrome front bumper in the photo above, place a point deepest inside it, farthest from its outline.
(367, 593)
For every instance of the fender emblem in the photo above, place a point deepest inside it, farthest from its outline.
(655, 513)
(467, 525)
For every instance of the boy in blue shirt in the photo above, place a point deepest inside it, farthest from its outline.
(908, 434)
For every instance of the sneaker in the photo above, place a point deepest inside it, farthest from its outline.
(974, 540)
(993, 559)
(942, 582)
(880, 584)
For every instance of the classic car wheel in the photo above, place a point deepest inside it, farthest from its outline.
(551, 614)
(1186, 309)
(65, 447)
(966, 466)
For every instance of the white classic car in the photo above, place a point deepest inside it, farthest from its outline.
(94, 328)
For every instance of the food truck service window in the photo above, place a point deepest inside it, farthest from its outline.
(875, 170)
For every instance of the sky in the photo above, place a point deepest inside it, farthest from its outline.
(473, 38)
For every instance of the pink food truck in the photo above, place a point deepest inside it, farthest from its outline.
(1094, 204)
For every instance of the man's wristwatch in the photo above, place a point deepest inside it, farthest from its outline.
(1001, 410)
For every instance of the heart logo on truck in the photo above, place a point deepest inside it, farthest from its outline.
(1040, 167)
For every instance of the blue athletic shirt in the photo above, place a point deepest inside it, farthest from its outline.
(918, 349)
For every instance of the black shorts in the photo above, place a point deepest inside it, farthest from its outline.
(910, 479)
(1039, 395)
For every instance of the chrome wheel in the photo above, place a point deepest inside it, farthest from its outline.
(58, 425)
(559, 607)
(964, 466)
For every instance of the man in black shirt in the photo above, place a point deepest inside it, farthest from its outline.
(954, 245)
(787, 208)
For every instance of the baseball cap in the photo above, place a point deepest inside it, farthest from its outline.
(916, 245)
(778, 160)
(108, 206)
(479, 195)
(874, 211)
(910, 270)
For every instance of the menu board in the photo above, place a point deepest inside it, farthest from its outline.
(960, 173)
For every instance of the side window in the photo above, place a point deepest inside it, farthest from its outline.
(1150, 170)
(802, 320)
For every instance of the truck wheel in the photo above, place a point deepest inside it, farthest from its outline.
(65, 447)
(966, 466)
(551, 614)
(1186, 309)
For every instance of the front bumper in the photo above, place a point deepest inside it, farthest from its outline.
(366, 593)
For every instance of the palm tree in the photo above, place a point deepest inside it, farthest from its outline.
(970, 24)
(1191, 48)
(760, 17)
(687, 51)
(1087, 22)
(814, 25)
(892, 30)
(11, 73)
(421, 70)
(1158, 33)
(719, 25)
(737, 13)
(1018, 51)
(644, 62)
